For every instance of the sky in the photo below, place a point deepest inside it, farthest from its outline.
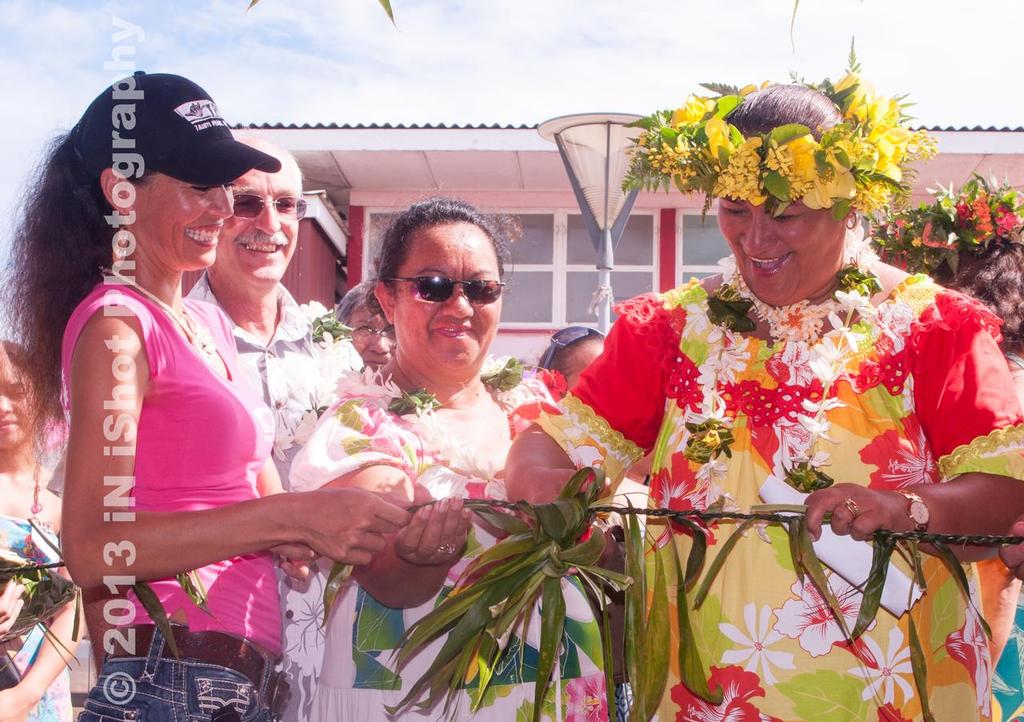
(489, 61)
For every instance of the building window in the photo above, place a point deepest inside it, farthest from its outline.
(530, 294)
(634, 265)
(552, 276)
(701, 245)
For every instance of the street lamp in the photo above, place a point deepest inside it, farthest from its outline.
(595, 150)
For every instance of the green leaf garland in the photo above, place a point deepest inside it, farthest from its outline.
(504, 584)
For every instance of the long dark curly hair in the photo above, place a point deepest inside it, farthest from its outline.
(996, 278)
(60, 243)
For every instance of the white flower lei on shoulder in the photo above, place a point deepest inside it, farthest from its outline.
(334, 354)
(461, 461)
(709, 430)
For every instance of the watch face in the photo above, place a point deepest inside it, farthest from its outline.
(918, 512)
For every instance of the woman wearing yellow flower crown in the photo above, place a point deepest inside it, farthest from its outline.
(808, 372)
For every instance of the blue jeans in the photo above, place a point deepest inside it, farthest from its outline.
(163, 689)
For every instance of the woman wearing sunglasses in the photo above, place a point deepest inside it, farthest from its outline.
(429, 427)
(168, 448)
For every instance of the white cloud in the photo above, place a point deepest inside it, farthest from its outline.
(486, 61)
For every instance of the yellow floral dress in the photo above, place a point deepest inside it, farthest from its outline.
(920, 399)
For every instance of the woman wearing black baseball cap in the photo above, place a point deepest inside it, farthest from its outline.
(167, 449)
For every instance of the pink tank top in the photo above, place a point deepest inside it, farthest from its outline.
(201, 442)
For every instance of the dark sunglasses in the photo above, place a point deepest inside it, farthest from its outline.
(565, 338)
(248, 205)
(438, 289)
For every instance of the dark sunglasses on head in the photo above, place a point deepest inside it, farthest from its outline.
(248, 205)
(438, 289)
(565, 338)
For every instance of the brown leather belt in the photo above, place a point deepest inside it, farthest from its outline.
(223, 650)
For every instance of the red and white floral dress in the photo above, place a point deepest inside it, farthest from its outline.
(924, 396)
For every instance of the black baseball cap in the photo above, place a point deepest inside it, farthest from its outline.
(177, 130)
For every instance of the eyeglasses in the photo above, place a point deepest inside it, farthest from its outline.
(438, 289)
(563, 339)
(248, 205)
(365, 333)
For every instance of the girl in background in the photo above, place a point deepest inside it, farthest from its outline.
(28, 512)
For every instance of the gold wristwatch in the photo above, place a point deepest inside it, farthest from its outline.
(917, 510)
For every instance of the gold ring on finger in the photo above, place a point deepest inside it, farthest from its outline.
(851, 506)
(446, 549)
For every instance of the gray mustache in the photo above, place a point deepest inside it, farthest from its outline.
(257, 236)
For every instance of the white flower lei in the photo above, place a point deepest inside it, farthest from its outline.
(461, 461)
(803, 320)
(829, 354)
(333, 355)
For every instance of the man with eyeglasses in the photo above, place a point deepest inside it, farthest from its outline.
(277, 354)
(372, 335)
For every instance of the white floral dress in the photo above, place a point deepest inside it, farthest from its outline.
(359, 677)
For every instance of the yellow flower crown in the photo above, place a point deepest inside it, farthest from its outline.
(862, 163)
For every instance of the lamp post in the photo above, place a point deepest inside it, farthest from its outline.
(594, 148)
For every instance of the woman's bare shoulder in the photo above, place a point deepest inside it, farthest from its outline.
(105, 336)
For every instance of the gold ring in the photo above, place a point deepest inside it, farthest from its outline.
(446, 549)
(852, 507)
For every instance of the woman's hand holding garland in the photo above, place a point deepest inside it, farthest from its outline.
(437, 533)
(562, 538)
(857, 511)
(1013, 556)
(11, 602)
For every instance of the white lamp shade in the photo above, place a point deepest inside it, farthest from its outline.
(596, 144)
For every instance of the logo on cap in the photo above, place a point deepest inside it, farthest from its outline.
(202, 114)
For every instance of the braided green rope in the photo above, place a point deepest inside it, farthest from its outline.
(22, 568)
(502, 586)
(692, 514)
